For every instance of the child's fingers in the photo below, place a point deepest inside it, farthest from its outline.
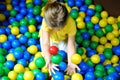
(55, 68)
(77, 68)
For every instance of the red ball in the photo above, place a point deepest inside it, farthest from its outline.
(53, 50)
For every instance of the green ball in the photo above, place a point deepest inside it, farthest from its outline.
(108, 53)
(40, 62)
(45, 1)
(93, 45)
(78, 33)
(86, 43)
(118, 25)
(46, 76)
(3, 51)
(16, 24)
(83, 30)
(6, 71)
(97, 14)
(1, 71)
(90, 63)
(28, 34)
(88, 2)
(108, 28)
(74, 14)
(23, 22)
(19, 48)
(89, 25)
(79, 39)
(30, 5)
(20, 76)
(1, 65)
(13, 13)
(100, 67)
(35, 71)
(98, 8)
(35, 35)
(5, 78)
(32, 21)
(99, 33)
(43, 4)
(36, 10)
(2, 59)
(119, 38)
(98, 74)
(80, 51)
(111, 70)
(91, 32)
(56, 59)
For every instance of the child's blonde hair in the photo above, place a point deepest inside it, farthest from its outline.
(55, 14)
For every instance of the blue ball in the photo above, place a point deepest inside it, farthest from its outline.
(117, 68)
(11, 50)
(8, 30)
(11, 37)
(6, 13)
(29, 16)
(2, 7)
(38, 46)
(85, 35)
(38, 27)
(96, 27)
(111, 77)
(89, 76)
(91, 53)
(62, 66)
(23, 11)
(5, 23)
(87, 19)
(108, 66)
(15, 2)
(116, 50)
(6, 45)
(90, 12)
(17, 8)
(23, 47)
(30, 10)
(99, 79)
(22, 4)
(71, 3)
(83, 66)
(78, 3)
(15, 43)
(102, 58)
(31, 58)
(37, 2)
(2, 31)
(83, 8)
(26, 55)
(40, 76)
(38, 19)
(12, 19)
(9, 64)
(88, 49)
(0, 45)
(63, 54)
(58, 76)
(31, 41)
(18, 54)
(116, 74)
(90, 69)
(23, 62)
(19, 17)
(23, 29)
(23, 39)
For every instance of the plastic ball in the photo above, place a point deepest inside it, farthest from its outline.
(111, 20)
(12, 75)
(53, 50)
(31, 41)
(116, 33)
(15, 30)
(100, 49)
(111, 70)
(2, 59)
(56, 59)
(104, 14)
(88, 2)
(3, 38)
(108, 28)
(20, 76)
(31, 28)
(32, 49)
(28, 75)
(9, 64)
(108, 53)
(29, 16)
(78, 3)
(58, 76)
(103, 40)
(98, 74)
(84, 8)
(115, 41)
(13, 12)
(85, 35)
(95, 38)
(32, 66)
(95, 59)
(23, 22)
(26, 55)
(71, 3)
(2, 18)
(102, 58)
(6, 45)
(81, 25)
(100, 67)
(77, 76)
(90, 12)
(74, 13)
(22, 62)
(32, 21)
(102, 23)
(4, 78)
(83, 66)
(89, 25)
(3, 51)
(18, 54)
(38, 19)
(30, 5)
(62, 53)
(91, 53)
(10, 57)
(110, 36)
(98, 7)
(40, 76)
(86, 43)
(89, 76)
(62, 66)
(99, 33)
(40, 62)
(19, 17)
(36, 10)
(80, 51)
(35, 71)
(94, 19)
(23, 11)
(76, 58)
(19, 68)
(114, 59)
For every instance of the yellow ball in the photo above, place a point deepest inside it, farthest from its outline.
(81, 25)
(77, 76)
(8, 1)
(83, 56)
(108, 45)
(94, 19)
(18, 68)
(103, 40)
(44, 70)
(3, 38)
(31, 28)
(104, 14)
(28, 75)
(66, 77)
(110, 36)
(116, 33)
(114, 59)
(9, 7)
(111, 20)
(42, 12)
(82, 14)
(27, 1)
(116, 64)
(92, 6)
(115, 42)
(95, 58)
(79, 19)
(32, 65)
(118, 18)
(68, 8)
(76, 58)
(115, 27)
(10, 57)
(106, 62)
(38, 54)
(15, 30)
(32, 49)
(26, 69)
(102, 23)
(95, 38)
(12, 75)
(84, 50)
(2, 17)
(119, 32)
(100, 49)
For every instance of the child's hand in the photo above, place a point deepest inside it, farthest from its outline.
(52, 67)
(72, 68)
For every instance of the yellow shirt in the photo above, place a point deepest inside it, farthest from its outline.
(58, 35)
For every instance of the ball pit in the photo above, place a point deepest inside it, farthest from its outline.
(97, 38)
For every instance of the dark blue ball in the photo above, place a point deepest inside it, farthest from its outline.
(111, 77)
(38, 19)
(22, 4)
(11, 37)
(31, 58)
(96, 27)
(30, 10)
(83, 66)
(29, 16)
(6, 13)
(23, 11)
(37, 2)
(2, 7)
(102, 58)
(23, 29)
(40, 76)
(108, 66)
(88, 49)
(23, 62)
(90, 69)
(85, 35)
(83, 8)
(78, 3)
(6, 45)
(26, 55)
(17, 8)
(5, 23)
(99, 79)
(90, 12)
(71, 3)
(117, 68)
(91, 53)
(38, 46)
(87, 19)
(9, 64)
(15, 2)
(23, 47)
